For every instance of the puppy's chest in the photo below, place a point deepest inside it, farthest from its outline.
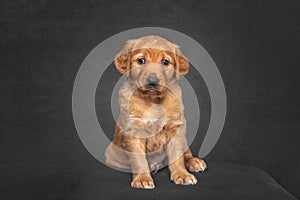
(161, 135)
(154, 113)
(158, 141)
(158, 122)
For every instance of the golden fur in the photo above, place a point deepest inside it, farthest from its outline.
(151, 127)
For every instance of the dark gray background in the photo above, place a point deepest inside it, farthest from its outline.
(255, 44)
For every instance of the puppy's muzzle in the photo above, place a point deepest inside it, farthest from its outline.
(152, 81)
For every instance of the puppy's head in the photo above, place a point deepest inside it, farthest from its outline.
(151, 63)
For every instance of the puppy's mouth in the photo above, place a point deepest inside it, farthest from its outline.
(151, 89)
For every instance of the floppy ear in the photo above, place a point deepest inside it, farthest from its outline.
(182, 63)
(122, 59)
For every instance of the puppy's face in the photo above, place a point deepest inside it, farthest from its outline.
(151, 63)
(151, 69)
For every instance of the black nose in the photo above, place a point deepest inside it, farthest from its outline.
(152, 81)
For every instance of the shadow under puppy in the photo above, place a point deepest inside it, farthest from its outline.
(150, 132)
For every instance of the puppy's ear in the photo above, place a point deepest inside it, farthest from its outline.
(122, 59)
(182, 63)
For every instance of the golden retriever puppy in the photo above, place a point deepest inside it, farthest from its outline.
(150, 132)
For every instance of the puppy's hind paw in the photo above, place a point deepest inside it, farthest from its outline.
(184, 178)
(196, 165)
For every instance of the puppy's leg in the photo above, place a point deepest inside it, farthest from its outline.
(178, 172)
(141, 174)
(192, 163)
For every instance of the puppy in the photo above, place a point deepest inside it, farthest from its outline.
(150, 132)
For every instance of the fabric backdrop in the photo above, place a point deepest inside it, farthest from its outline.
(255, 45)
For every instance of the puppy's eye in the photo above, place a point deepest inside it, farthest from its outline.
(165, 62)
(141, 60)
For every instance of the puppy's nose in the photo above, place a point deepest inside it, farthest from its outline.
(152, 80)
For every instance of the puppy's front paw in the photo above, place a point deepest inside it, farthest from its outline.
(196, 165)
(143, 181)
(183, 178)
